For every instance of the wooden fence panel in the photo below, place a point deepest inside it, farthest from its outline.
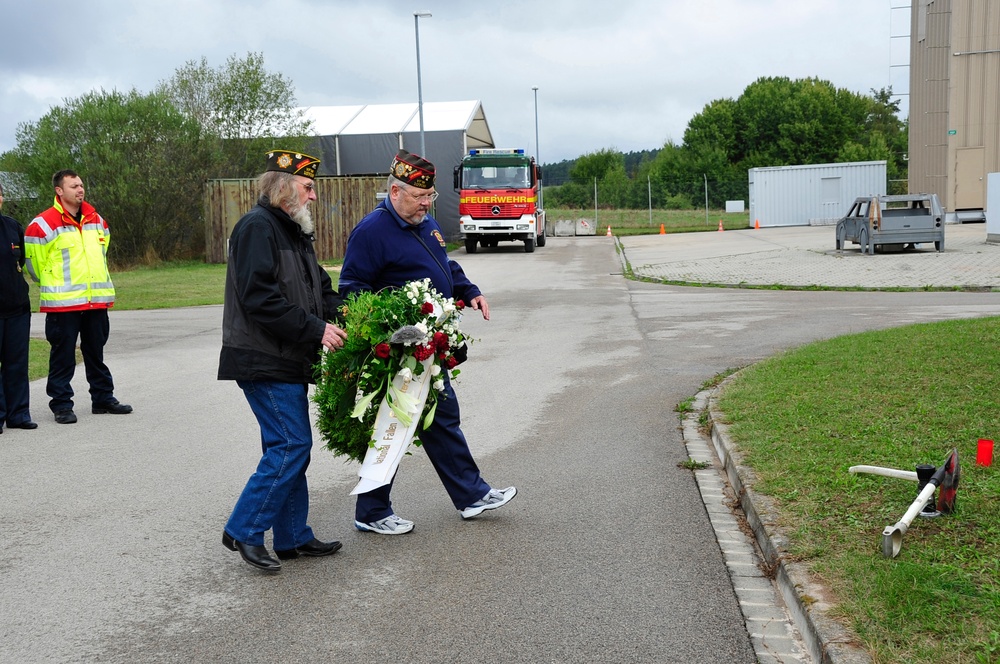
(340, 204)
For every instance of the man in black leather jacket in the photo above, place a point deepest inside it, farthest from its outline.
(278, 301)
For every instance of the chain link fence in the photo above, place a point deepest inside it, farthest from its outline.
(624, 193)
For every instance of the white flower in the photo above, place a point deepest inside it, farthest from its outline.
(439, 385)
(422, 326)
(435, 369)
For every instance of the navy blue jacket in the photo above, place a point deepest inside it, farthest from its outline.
(13, 288)
(384, 251)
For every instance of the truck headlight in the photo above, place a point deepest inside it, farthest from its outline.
(522, 227)
(469, 227)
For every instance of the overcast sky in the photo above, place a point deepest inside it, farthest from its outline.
(625, 74)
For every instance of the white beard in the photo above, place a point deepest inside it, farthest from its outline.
(303, 217)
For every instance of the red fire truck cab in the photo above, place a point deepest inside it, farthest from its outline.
(498, 199)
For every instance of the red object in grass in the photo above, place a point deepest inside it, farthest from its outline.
(984, 452)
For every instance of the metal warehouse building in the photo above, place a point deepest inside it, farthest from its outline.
(362, 140)
(954, 101)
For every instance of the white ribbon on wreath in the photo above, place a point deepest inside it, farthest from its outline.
(395, 426)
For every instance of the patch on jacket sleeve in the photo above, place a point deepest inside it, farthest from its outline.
(437, 236)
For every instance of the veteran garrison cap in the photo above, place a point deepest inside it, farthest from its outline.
(295, 163)
(413, 170)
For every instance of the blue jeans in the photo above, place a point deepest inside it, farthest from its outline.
(276, 496)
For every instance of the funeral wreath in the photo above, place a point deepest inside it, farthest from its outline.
(391, 334)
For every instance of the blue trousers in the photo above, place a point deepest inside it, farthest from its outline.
(448, 451)
(62, 330)
(276, 496)
(14, 332)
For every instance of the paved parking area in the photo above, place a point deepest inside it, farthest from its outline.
(806, 256)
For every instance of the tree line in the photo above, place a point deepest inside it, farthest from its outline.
(776, 121)
(145, 157)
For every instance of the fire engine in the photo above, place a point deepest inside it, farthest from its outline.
(498, 198)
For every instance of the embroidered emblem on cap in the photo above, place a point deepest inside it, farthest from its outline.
(413, 170)
(295, 163)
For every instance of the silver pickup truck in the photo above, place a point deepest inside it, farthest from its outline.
(892, 223)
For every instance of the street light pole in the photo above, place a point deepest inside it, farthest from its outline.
(538, 159)
(420, 94)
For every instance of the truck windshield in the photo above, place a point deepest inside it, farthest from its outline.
(495, 177)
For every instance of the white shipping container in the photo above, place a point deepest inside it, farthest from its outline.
(811, 194)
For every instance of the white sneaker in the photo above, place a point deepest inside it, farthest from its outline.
(390, 525)
(492, 500)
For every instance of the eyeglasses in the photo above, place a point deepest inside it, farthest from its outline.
(426, 198)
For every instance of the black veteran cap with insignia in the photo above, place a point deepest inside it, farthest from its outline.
(413, 170)
(295, 163)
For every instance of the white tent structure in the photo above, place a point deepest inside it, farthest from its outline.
(362, 140)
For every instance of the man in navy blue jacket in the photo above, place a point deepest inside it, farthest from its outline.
(396, 243)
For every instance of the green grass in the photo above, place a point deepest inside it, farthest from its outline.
(38, 359)
(168, 285)
(637, 222)
(183, 284)
(894, 398)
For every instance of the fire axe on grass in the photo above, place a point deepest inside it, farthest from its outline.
(928, 479)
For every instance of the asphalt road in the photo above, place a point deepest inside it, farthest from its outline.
(111, 527)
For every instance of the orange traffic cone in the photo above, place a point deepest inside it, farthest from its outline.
(720, 226)
(663, 231)
(609, 231)
(756, 224)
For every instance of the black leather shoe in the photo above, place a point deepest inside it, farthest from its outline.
(255, 556)
(313, 548)
(23, 425)
(112, 408)
(65, 417)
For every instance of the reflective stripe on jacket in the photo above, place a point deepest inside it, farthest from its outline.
(69, 260)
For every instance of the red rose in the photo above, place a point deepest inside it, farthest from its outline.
(441, 341)
(426, 308)
(421, 353)
(450, 363)
(383, 350)
(460, 304)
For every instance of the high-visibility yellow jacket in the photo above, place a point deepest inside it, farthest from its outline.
(69, 259)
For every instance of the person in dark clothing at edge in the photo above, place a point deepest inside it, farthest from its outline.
(278, 301)
(15, 326)
(396, 243)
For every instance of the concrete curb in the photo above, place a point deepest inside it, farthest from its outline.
(773, 634)
(826, 639)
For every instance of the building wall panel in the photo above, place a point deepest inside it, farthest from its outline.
(956, 42)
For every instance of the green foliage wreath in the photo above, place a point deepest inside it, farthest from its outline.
(391, 331)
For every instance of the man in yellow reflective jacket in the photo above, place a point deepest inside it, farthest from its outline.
(66, 248)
